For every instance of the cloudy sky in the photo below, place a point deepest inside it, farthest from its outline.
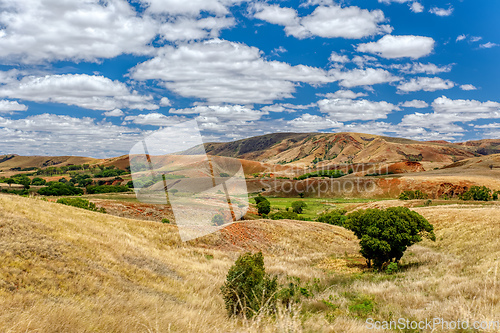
(92, 77)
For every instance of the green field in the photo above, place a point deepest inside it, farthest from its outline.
(315, 206)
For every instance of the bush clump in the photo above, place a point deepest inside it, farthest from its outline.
(335, 217)
(284, 215)
(263, 205)
(248, 289)
(298, 206)
(478, 193)
(59, 189)
(411, 195)
(81, 203)
(97, 189)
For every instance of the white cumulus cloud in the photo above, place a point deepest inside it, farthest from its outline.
(416, 7)
(220, 71)
(417, 104)
(441, 11)
(11, 106)
(39, 30)
(393, 47)
(425, 84)
(343, 109)
(468, 87)
(325, 21)
(86, 91)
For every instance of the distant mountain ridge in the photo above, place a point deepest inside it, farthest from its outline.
(286, 148)
(305, 149)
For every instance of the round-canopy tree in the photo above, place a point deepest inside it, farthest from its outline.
(386, 234)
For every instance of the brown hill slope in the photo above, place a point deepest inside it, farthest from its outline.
(8, 162)
(286, 148)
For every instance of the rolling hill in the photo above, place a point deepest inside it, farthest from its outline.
(286, 148)
(69, 270)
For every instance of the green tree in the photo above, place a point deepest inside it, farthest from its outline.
(22, 180)
(385, 234)
(59, 189)
(335, 217)
(38, 181)
(298, 206)
(477, 193)
(248, 288)
(264, 207)
(259, 198)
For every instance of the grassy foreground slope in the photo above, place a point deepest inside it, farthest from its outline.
(68, 270)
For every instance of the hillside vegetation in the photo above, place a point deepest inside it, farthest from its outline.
(66, 269)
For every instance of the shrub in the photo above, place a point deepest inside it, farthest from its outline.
(259, 198)
(59, 189)
(264, 207)
(392, 268)
(165, 221)
(293, 292)
(410, 195)
(248, 289)
(218, 220)
(281, 215)
(477, 193)
(81, 203)
(362, 308)
(298, 206)
(38, 181)
(335, 217)
(494, 196)
(386, 234)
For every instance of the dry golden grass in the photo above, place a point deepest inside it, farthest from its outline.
(69, 270)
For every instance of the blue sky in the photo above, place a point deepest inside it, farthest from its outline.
(93, 77)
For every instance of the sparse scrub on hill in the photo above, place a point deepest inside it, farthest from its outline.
(248, 289)
(334, 217)
(386, 234)
(81, 203)
(411, 195)
(478, 193)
